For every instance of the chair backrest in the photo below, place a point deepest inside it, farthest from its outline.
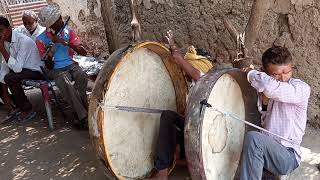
(15, 11)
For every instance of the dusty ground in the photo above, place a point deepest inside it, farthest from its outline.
(31, 152)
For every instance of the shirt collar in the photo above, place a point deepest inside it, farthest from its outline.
(14, 37)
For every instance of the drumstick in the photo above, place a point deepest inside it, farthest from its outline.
(139, 109)
(136, 109)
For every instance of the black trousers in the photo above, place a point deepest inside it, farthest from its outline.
(14, 82)
(170, 134)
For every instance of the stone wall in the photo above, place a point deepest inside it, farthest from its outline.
(292, 23)
(87, 21)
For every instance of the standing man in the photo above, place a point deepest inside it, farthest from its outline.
(69, 77)
(283, 102)
(21, 61)
(30, 27)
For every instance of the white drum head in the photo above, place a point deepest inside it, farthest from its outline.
(222, 137)
(140, 80)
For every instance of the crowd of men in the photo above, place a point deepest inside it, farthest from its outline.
(22, 51)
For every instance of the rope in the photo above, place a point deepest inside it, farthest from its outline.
(233, 116)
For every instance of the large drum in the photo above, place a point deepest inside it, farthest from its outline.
(142, 75)
(213, 140)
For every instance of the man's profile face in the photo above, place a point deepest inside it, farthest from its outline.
(57, 25)
(281, 72)
(5, 33)
(29, 23)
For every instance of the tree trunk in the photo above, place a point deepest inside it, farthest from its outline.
(259, 9)
(112, 39)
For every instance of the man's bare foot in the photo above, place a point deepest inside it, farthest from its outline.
(181, 162)
(160, 175)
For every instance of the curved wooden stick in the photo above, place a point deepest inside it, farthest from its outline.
(232, 30)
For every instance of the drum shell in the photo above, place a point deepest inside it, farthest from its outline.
(195, 114)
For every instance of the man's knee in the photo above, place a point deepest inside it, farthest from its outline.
(11, 78)
(253, 138)
(62, 81)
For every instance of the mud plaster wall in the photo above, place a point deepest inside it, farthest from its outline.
(87, 21)
(292, 23)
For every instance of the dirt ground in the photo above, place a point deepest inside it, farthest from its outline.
(30, 151)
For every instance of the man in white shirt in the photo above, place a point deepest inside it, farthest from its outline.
(30, 27)
(21, 60)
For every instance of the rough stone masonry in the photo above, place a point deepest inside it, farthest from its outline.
(291, 23)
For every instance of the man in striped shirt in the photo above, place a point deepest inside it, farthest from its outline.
(283, 102)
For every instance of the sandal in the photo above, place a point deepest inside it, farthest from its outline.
(11, 116)
(29, 117)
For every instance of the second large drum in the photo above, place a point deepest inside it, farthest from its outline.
(214, 139)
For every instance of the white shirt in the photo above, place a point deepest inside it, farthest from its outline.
(23, 54)
(36, 33)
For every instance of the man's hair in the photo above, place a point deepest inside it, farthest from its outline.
(276, 55)
(4, 21)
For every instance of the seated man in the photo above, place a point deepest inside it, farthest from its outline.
(21, 61)
(283, 102)
(30, 27)
(69, 77)
(194, 64)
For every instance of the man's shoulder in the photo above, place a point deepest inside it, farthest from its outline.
(42, 36)
(22, 37)
(41, 28)
(20, 29)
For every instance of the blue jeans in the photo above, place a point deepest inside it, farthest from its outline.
(261, 151)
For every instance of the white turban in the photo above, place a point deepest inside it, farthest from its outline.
(49, 15)
(29, 13)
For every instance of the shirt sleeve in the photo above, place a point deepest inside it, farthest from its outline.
(74, 39)
(295, 91)
(23, 53)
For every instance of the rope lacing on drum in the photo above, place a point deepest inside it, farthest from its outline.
(233, 116)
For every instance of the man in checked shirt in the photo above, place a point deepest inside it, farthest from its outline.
(283, 102)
